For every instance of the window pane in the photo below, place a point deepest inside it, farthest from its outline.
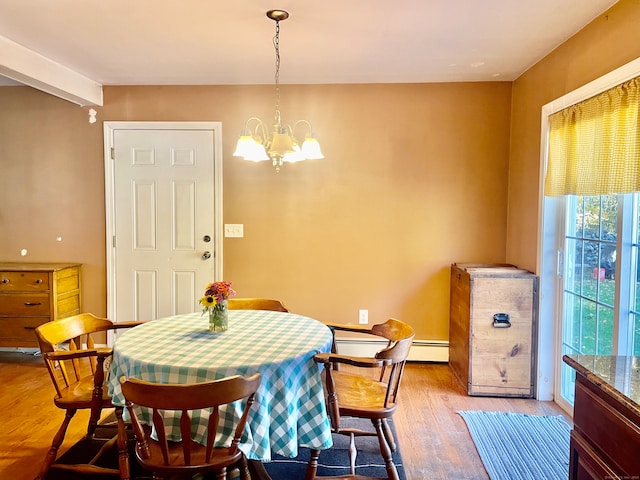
(604, 331)
(606, 285)
(591, 270)
(636, 336)
(572, 326)
(567, 386)
(589, 327)
(608, 256)
(634, 316)
(591, 217)
(573, 273)
(608, 217)
(579, 215)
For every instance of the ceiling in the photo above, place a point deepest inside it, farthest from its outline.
(188, 42)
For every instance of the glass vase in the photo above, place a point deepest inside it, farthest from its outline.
(219, 317)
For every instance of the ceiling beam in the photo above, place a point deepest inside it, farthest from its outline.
(31, 68)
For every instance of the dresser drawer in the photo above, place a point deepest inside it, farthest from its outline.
(27, 304)
(24, 281)
(20, 331)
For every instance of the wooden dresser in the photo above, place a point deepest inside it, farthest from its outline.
(32, 294)
(605, 440)
(492, 324)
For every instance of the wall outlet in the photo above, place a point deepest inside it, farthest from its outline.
(363, 316)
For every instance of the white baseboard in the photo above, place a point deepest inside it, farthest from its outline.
(35, 350)
(29, 350)
(421, 350)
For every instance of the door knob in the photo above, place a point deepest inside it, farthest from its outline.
(206, 255)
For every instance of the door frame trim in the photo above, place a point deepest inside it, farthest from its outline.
(109, 177)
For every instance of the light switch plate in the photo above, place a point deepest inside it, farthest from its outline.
(234, 230)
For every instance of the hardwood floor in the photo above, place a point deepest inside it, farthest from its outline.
(434, 440)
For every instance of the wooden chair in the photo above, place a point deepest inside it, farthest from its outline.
(256, 304)
(355, 392)
(78, 369)
(187, 458)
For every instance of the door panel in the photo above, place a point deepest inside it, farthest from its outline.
(144, 298)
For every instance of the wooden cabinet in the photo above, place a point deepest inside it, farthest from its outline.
(605, 439)
(492, 323)
(32, 294)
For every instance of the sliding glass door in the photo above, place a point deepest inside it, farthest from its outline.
(600, 295)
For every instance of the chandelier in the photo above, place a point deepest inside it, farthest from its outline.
(280, 145)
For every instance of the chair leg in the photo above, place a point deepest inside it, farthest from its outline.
(123, 451)
(242, 468)
(353, 453)
(257, 470)
(312, 466)
(389, 435)
(52, 454)
(385, 450)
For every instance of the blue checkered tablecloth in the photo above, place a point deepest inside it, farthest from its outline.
(289, 408)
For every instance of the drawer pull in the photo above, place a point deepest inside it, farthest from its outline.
(29, 328)
(39, 281)
(501, 320)
(5, 280)
(32, 304)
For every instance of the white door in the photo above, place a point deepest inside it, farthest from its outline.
(164, 244)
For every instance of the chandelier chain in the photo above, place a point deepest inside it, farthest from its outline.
(276, 44)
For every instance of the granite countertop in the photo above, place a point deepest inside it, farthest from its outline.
(617, 375)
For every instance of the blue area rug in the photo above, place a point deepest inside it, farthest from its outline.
(335, 461)
(332, 462)
(516, 446)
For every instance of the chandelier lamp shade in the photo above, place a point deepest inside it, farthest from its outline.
(280, 145)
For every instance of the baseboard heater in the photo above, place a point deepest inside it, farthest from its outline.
(421, 350)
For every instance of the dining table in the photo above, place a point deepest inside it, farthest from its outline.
(289, 408)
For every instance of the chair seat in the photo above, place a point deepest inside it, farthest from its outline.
(223, 456)
(358, 394)
(79, 394)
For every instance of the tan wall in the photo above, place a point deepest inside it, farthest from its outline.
(610, 41)
(52, 185)
(415, 178)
